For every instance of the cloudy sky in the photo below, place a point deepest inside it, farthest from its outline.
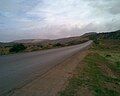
(20, 19)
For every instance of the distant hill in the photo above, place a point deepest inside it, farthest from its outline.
(30, 40)
(69, 40)
(44, 41)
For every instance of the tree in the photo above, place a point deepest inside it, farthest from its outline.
(17, 48)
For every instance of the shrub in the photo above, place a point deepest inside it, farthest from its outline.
(17, 48)
(108, 55)
(58, 45)
(96, 41)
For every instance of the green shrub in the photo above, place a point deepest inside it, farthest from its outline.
(17, 48)
(108, 55)
(58, 45)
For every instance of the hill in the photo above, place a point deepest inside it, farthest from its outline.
(106, 35)
(29, 40)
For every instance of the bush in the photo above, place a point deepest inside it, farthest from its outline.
(96, 41)
(58, 45)
(17, 48)
(108, 55)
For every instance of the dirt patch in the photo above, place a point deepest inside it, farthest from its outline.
(53, 81)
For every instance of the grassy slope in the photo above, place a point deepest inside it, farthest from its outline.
(99, 73)
(106, 35)
(107, 45)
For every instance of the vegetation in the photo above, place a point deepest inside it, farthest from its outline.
(107, 35)
(4, 50)
(58, 45)
(99, 77)
(17, 48)
(99, 73)
(29, 47)
(107, 45)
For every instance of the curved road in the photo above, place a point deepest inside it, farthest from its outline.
(20, 69)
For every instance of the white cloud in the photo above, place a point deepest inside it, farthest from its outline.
(60, 18)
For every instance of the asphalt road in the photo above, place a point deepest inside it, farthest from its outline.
(20, 69)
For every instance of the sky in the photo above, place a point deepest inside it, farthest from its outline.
(52, 19)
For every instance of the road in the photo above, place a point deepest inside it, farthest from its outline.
(20, 69)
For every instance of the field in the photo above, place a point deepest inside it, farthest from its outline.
(98, 74)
